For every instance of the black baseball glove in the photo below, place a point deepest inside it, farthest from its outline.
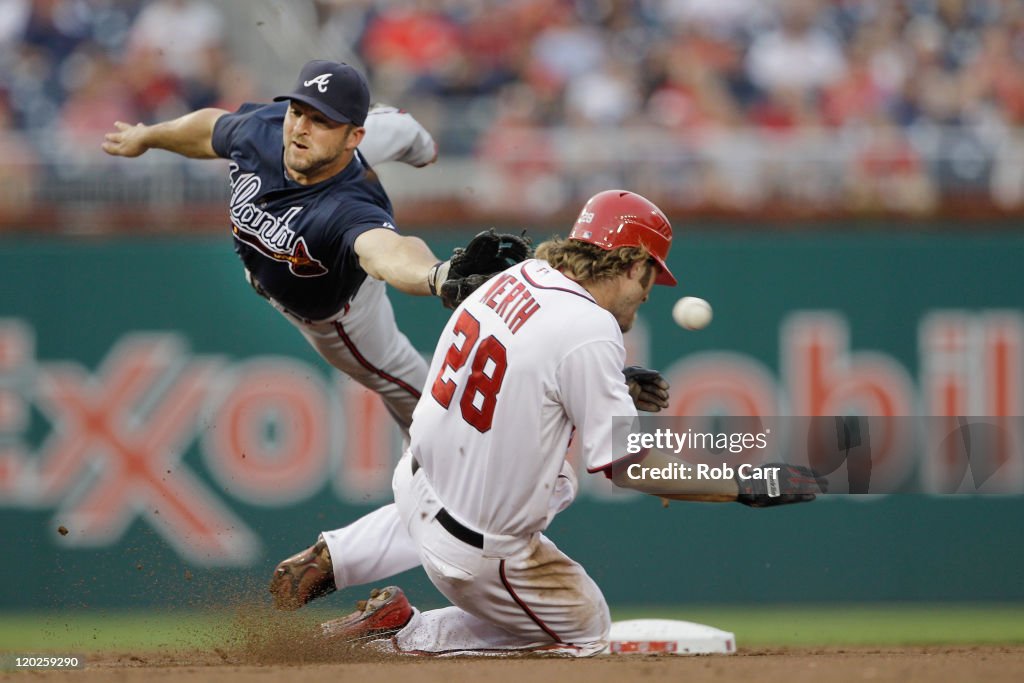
(647, 388)
(469, 267)
(784, 484)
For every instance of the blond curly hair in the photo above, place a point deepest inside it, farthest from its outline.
(585, 262)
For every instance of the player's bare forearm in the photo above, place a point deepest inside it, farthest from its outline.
(766, 486)
(402, 261)
(190, 136)
(636, 476)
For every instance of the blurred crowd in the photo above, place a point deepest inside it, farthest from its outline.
(69, 68)
(893, 105)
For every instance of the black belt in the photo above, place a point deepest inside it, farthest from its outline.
(464, 534)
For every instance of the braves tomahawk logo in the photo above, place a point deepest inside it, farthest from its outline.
(321, 82)
(268, 234)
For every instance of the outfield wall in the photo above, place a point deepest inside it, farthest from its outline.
(134, 375)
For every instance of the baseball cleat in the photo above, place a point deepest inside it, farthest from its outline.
(384, 614)
(303, 577)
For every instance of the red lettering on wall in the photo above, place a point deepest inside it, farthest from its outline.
(118, 439)
(825, 378)
(12, 464)
(17, 374)
(723, 384)
(270, 444)
(1003, 345)
(370, 444)
(971, 382)
(946, 386)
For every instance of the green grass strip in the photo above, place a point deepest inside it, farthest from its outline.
(108, 631)
(760, 626)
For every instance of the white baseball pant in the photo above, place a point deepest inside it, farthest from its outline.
(513, 594)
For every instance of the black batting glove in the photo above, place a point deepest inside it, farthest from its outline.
(647, 388)
(783, 485)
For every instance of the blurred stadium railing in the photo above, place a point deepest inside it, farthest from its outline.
(540, 174)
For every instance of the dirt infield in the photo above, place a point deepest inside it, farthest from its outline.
(991, 664)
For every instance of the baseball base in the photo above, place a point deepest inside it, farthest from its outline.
(668, 636)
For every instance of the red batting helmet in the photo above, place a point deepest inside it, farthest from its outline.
(618, 218)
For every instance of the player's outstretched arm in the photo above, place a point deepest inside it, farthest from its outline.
(403, 261)
(782, 484)
(189, 135)
(407, 263)
(629, 475)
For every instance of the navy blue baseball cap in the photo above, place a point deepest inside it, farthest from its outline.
(335, 89)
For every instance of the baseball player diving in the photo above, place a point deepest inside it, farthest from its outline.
(526, 363)
(313, 226)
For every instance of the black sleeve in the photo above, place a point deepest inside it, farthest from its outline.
(226, 129)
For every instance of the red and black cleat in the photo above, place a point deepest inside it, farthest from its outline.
(384, 614)
(303, 577)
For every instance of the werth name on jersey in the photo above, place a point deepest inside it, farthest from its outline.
(267, 233)
(511, 300)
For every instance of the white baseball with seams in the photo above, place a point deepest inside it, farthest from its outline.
(692, 313)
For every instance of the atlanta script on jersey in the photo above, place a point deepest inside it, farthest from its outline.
(296, 240)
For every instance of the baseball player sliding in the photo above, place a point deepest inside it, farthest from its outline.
(313, 226)
(526, 363)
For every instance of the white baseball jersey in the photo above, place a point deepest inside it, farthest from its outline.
(525, 360)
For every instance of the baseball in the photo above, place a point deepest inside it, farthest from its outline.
(692, 313)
